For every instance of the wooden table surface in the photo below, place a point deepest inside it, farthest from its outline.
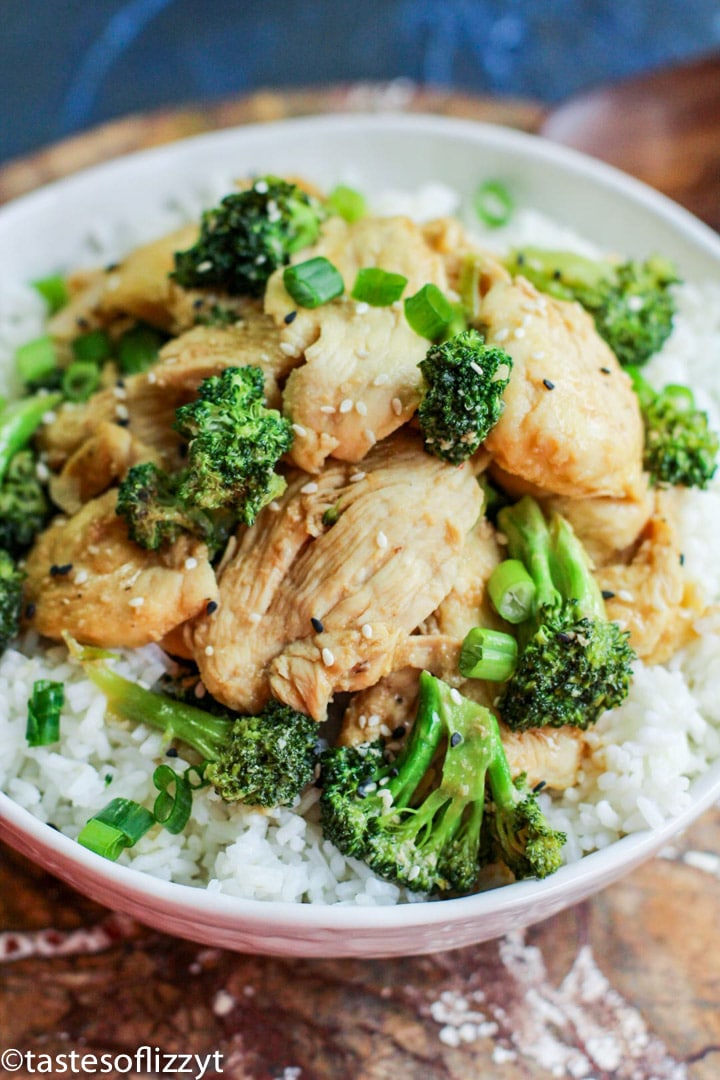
(624, 986)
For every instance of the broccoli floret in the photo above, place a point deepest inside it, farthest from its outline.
(572, 663)
(462, 397)
(234, 445)
(680, 447)
(427, 819)
(263, 760)
(248, 236)
(631, 302)
(24, 505)
(11, 584)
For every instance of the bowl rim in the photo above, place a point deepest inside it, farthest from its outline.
(53, 848)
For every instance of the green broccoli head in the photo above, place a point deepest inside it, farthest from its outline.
(680, 447)
(248, 236)
(24, 505)
(520, 836)
(149, 501)
(235, 443)
(11, 595)
(420, 820)
(462, 398)
(268, 759)
(631, 302)
(569, 671)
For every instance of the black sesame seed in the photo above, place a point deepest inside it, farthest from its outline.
(539, 786)
(521, 259)
(123, 423)
(120, 383)
(682, 559)
(30, 610)
(399, 731)
(182, 450)
(605, 370)
(456, 738)
(60, 571)
(563, 637)
(362, 790)
(211, 606)
(317, 625)
(112, 266)
(548, 384)
(394, 772)
(171, 752)
(82, 323)
(557, 275)
(290, 317)
(608, 594)
(197, 304)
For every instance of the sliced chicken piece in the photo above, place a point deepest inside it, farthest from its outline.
(96, 465)
(571, 424)
(146, 403)
(86, 578)
(360, 380)
(82, 312)
(467, 604)
(448, 237)
(550, 755)
(141, 285)
(652, 596)
(370, 578)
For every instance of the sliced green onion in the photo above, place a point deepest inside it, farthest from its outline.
(174, 803)
(457, 324)
(19, 421)
(118, 825)
(138, 348)
(313, 282)
(512, 591)
(35, 359)
(429, 312)
(347, 202)
(94, 346)
(53, 290)
(80, 380)
(469, 287)
(493, 204)
(377, 287)
(44, 707)
(488, 654)
(680, 397)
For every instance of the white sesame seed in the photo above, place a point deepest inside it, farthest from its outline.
(42, 472)
(121, 411)
(502, 334)
(191, 563)
(366, 630)
(361, 408)
(625, 596)
(328, 409)
(261, 187)
(119, 392)
(204, 266)
(370, 436)
(137, 601)
(381, 540)
(49, 417)
(81, 577)
(519, 333)
(527, 319)
(381, 379)
(113, 282)
(538, 355)
(299, 430)
(327, 658)
(254, 617)
(288, 349)
(309, 489)
(357, 477)
(456, 696)
(151, 377)
(346, 405)
(362, 308)
(209, 651)
(476, 368)
(397, 406)
(362, 721)
(635, 303)
(385, 731)
(274, 506)
(413, 873)
(374, 719)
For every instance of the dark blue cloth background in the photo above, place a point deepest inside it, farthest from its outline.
(68, 64)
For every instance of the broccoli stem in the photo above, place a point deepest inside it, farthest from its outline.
(572, 570)
(19, 422)
(528, 540)
(512, 591)
(420, 746)
(488, 654)
(206, 733)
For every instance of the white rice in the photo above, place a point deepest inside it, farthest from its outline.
(643, 754)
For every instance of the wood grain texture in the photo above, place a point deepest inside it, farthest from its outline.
(624, 987)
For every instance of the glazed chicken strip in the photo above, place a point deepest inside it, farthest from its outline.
(651, 594)
(146, 403)
(572, 423)
(367, 580)
(86, 578)
(96, 464)
(360, 380)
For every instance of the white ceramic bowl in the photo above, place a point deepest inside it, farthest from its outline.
(375, 153)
